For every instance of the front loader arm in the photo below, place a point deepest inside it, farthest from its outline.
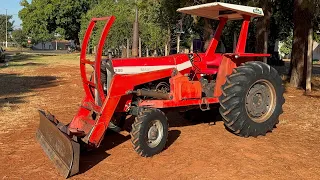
(120, 86)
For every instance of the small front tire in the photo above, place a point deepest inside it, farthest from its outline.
(149, 132)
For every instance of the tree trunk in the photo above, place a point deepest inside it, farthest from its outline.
(147, 49)
(308, 68)
(123, 51)
(300, 43)
(178, 43)
(77, 43)
(140, 48)
(263, 28)
(135, 37)
(167, 48)
(128, 48)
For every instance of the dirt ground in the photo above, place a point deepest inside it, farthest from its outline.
(195, 150)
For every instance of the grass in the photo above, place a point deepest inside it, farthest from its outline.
(17, 49)
(28, 60)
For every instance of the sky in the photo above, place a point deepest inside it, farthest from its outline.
(13, 7)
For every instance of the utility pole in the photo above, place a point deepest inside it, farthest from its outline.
(6, 28)
(135, 40)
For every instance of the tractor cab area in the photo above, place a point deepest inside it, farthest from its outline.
(210, 61)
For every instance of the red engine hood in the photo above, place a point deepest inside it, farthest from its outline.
(147, 64)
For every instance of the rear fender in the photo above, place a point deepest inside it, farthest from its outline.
(225, 69)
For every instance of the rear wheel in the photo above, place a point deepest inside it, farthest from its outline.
(149, 132)
(252, 99)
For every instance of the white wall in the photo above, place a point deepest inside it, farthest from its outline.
(316, 50)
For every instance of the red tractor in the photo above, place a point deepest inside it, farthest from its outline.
(250, 92)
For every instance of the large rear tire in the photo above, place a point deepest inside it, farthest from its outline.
(149, 132)
(252, 99)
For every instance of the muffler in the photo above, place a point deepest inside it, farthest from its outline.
(61, 147)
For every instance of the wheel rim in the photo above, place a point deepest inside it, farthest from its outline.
(260, 101)
(155, 133)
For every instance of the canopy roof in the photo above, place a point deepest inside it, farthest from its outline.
(218, 9)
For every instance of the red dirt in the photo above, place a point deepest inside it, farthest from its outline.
(195, 150)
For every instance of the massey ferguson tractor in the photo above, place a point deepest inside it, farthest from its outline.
(250, 92)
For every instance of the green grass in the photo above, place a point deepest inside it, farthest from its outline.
(29, 60)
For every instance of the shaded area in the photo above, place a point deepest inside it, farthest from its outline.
(15, 84)
(21, 57)
(313, 96)
(284, 70)
(17, 57)
(89, 159)
(173, 135)
(39, 51)
(195, 116)
(7, 101)
(22, 65)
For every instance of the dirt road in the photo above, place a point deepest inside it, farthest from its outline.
(194, 150)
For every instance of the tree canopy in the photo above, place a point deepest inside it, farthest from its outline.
(150, 30)
(19, 37)
(3, 26)
(42, 19)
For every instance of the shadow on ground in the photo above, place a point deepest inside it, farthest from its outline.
(22, 57)
(21, 65)
(89, 159)
(17, 59)
(284, 71)
(195, 116)
(13, 86)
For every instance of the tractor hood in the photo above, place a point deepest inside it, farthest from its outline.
(140, 65)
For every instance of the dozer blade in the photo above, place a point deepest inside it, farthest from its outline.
(63, 151)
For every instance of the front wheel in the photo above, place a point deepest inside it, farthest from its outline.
(252, 99)
(149, 132)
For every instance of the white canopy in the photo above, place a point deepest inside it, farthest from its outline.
(218, 9)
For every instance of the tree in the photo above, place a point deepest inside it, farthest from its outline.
(263, 28)
(3, 27)
(302, 19)
(41, 19)
(121, 29)
(20, 37)
(149, 29)
(153, 35)
(35, 19)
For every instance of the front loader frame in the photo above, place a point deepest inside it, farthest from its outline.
(83, 122)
